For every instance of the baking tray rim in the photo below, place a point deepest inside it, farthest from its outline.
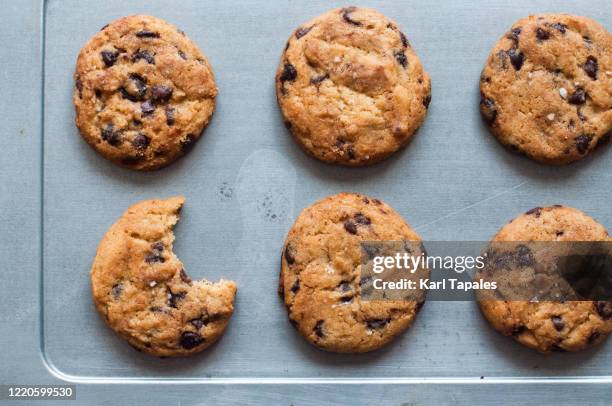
(56, 372)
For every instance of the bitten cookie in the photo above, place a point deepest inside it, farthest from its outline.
(144, 92)
(549, 326)
(351, 88)
(546, 90)
(320, 278)
(142, 291)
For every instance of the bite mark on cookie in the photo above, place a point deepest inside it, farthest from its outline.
(137, 280)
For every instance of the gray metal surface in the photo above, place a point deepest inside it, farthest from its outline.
(245, 182)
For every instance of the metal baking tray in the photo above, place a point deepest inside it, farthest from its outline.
(247, 180)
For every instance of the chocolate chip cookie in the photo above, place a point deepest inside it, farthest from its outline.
(546, 90)
(546, 325)
(141, 290)
(143, 93)
(321, 281)
(351, 88)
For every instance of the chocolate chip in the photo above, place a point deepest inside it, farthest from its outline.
(361, 219)
(344, 286)
(524, 256)
(316, 80)
(182, 54)
(190, 340)
(605, 139)
(174, 298)
(516, 58)
(147, 108)
(295, 287)
(111, 136)
(376, 324)
(542, 34)
(147, 34)
(401, 58)
(559, 27)
(426, 101)
(289, 255)
(346, 299)
(205, 319)
(582, 143)
(318, 329)
(137, 88)
(590, 67)
(518, 330)
(350, 226)
(537, 211)
(558, 322)
(184, 277)
(169, 115)
(514, 34)
(365, 281)
(604, 308)
(79, 85)
(289, 73)
(156, 253)
(370, 250)
(300, 32)
(116, 290)
(405, 42)
(346, 15)
(132, 160)
(593, 337)
(488, 109)
(502, 261)
(161, 93)
(188, 142)
(350, 151)
(143, 55)
(141, 142)
(104, 27)
(578, 97)
(109, 58)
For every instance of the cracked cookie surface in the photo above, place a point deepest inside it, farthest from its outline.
(546, 89)
(551, 326)
(320, 280)
(141, 290)
(351, 88)
(143, 93)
